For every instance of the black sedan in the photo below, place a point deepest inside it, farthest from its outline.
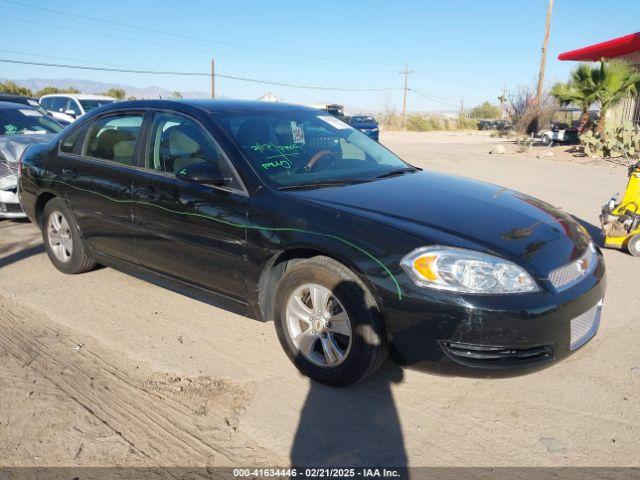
(289, 214)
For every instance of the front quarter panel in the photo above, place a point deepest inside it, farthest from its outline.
(279, 222)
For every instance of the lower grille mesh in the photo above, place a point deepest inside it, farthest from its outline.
(584, 326)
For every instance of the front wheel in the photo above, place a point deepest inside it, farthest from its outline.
(546, 140)
(328, 322)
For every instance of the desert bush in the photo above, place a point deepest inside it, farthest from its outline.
(485, 110)
(419, 123)
(523, 109)
(14, 89)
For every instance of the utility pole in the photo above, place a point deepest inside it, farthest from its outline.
(213, 79)
(543, 59)
(461, 109)
(406, 73)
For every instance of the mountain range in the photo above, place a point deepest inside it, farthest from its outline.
(90, 86)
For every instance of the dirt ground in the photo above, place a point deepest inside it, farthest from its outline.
(103, 369)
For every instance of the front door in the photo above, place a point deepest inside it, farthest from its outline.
(98, 180)
(190, 231)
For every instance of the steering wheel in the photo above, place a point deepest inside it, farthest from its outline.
(316, 158)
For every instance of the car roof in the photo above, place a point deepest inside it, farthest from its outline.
(21, 99)
(14, 106)
(211, 105)
(79, 96)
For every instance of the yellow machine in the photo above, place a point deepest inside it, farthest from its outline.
(621, 220)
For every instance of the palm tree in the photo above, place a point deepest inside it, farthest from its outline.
(614, 81)
(577, 91)
(608, 84)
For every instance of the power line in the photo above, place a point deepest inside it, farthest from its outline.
(202, 74)
(429, 97)
(188, 37)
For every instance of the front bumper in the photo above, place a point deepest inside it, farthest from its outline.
(10, 205)
(486, 335)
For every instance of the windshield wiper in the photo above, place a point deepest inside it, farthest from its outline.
(398, 171)
(325, 183)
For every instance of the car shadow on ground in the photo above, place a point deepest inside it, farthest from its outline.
(355, 426)
(21, 255)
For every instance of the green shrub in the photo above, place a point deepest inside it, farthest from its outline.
(419, 123)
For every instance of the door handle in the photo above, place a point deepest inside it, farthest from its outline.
(69, 171)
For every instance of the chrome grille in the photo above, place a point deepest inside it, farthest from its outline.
(584, 326)
(571, 273)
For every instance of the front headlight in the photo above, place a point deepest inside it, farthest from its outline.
(466, 271)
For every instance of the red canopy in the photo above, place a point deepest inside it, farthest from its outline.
(609, 49)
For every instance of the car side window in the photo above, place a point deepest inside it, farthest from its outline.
(176, 142)
(114, 138)
(72, 143)
(46, 103)
(73, 106)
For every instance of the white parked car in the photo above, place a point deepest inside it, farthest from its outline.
(69, 106)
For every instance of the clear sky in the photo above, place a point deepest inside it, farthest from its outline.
(457, 49)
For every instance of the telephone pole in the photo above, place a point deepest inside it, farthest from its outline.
(406, 73)
(461, 109)
(213, 79)
(543, 59)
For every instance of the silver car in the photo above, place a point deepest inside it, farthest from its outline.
(20, 127)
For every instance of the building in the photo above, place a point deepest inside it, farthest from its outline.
(627, 48)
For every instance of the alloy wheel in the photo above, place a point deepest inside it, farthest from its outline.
(59, 235)
(318, 325)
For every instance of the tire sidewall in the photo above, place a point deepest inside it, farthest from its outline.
(367, 332)
(633, 246)
(75, 262)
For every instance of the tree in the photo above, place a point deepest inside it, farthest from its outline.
(176, 95)
(485, 110)
(608, 84)
(577, 91)
(49, 90)
(117, 93)
(15, 89)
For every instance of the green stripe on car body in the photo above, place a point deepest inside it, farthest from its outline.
(253, 227)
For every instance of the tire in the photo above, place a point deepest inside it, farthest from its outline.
(319, 346)
(546, 140)
(633, 245)
(62, 239)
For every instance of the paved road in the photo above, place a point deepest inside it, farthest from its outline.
(133, 374)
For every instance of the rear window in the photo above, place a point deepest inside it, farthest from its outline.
(362, 119)
(89, 105)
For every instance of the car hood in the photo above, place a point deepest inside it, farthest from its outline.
(11, 149)
(455, 211)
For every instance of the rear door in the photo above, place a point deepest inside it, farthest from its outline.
(98, 182)
(189, 231)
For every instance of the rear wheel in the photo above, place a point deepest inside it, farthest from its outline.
(328, 322)
(62, 239)
(633, 245)
(546, 140)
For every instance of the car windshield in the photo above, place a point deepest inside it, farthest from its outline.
(91, 104)
(15, 121)
(298, 148)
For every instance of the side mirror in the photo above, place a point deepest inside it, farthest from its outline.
(203, 173)
(71, 113)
